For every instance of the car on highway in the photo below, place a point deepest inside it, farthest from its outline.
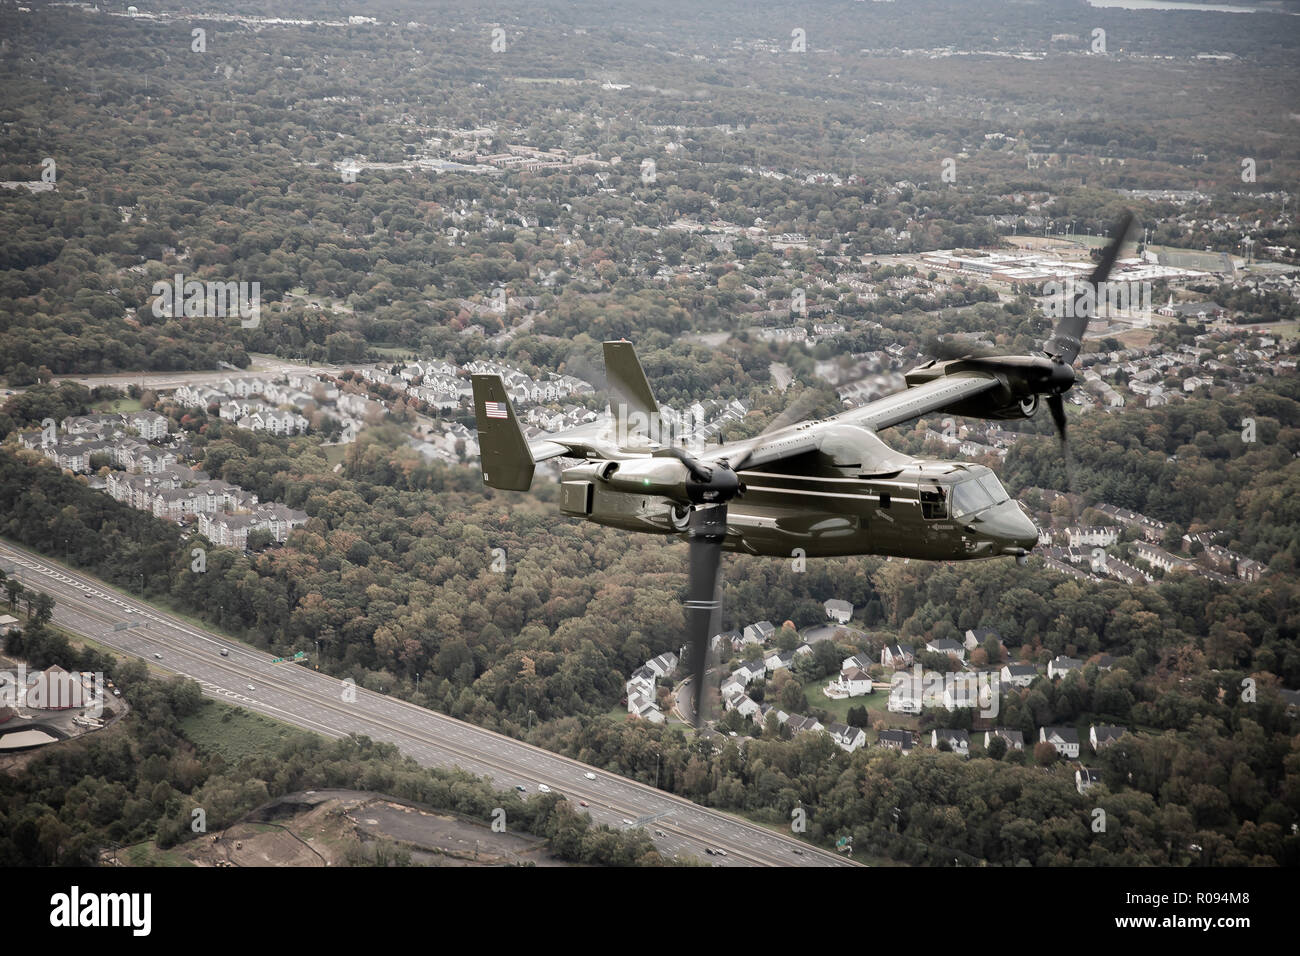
(543, 788)
(797, 852)
(225, 652)
(582, 803)
(589, 775)
(158, 656)
(628, 823)
(521, 788)
(660, 833)
(251, 687)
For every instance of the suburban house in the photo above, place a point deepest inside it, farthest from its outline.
(946, 645)
(642, 681)
(958, 740)
(777, 660)
(846, 737)
(965, 690)
(1085, 778)
(975, 637)
(148, 425)
(1064, 739)
(1095, 537)
(750, 671)
(860, 661)
(801, 725)
(1100, 735)
(759, 633)
(897, 655)
(743, 704)
(852, 682)
(1060, 666)
(1014, 738)
(905, 694)
(726, 641)
(841, 612)
(901, 740)
(664, 665)
(1019, 675)
(638, 705)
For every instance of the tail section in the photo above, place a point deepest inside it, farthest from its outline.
(635, 410)
(504, 456)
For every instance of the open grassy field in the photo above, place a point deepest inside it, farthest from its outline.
(148, 854)
(120, 406)
(876, 703)
(235, 733)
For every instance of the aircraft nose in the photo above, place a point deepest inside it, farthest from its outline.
(1010, 527)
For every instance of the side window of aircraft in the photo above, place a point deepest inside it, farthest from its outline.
(934, 504)
(884, 499)
(970, 496)
(994, 487)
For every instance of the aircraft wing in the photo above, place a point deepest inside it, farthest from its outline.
(891, 410)
(919, 400)
(512, 457)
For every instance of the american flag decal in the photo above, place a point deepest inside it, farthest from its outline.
(495, 409)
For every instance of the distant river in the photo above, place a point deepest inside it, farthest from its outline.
(1177, 5)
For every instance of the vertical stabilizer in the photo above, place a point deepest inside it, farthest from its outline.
(503, 451)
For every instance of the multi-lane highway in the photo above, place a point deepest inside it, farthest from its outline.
(334, 708)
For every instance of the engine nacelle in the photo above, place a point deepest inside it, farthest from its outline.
(664, 477)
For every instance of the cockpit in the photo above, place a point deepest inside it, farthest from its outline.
(970, 494)
(976, 493)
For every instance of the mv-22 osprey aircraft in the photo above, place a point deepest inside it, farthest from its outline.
(817, 488)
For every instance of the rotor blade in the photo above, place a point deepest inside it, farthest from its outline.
(1067, 338)
(697, 471)
(708, 527)
(1056, 405)
(1111, 252)
(796, 411)
(946, 349)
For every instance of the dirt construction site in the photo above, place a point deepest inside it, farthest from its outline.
(349, 827)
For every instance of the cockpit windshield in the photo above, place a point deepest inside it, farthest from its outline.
(977, 493)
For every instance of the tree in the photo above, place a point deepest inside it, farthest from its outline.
(992, 649)
(792, 697)
(44, 608)
(997, 748)
(1045, 753)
